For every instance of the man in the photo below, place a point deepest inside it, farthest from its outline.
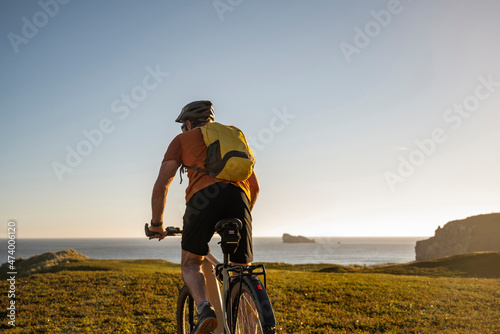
(208, 200)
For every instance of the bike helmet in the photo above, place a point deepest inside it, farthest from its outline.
(196, 110)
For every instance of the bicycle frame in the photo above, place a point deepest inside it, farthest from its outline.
(213, 291)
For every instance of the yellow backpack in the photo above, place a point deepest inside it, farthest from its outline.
(229, 157)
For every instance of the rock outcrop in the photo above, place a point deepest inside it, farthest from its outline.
(292, 239)
(44, 262)
(473, 234)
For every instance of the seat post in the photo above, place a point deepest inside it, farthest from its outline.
(226, 294)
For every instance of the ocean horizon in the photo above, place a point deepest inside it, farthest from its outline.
(329, 250)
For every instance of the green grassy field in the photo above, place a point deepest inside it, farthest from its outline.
(453, 295)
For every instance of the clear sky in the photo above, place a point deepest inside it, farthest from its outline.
(367, 118)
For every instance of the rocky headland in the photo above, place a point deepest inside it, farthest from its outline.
(44, 262)
(473, 234)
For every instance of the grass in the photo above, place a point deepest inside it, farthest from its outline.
(450, 295)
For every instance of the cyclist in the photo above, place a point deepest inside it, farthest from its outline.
(208, 200)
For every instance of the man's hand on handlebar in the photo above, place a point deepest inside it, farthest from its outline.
(160, 232)
(155, 232)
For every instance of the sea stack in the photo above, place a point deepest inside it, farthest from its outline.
(292, 239)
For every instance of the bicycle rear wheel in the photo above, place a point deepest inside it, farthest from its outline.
(187, 313)
(251, 310)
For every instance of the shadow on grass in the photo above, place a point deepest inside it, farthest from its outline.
(479, 265)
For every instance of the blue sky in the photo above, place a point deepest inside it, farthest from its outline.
(372, 118)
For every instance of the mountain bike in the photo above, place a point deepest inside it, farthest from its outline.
(238, 296)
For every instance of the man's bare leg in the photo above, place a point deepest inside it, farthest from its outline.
(193, 275)
(195, 280)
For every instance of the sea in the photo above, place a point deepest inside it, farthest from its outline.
(329, 250)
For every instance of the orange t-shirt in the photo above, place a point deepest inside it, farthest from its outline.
(189, 148)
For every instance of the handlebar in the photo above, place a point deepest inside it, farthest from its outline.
(171, 231)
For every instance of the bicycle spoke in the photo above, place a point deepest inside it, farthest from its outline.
(248, 317)
(249, 308)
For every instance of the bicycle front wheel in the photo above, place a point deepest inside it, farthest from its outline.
(250, 311)
(187, 313)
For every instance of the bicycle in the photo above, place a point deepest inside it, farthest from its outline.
(238, 296)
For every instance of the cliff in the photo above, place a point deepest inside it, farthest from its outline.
(291, 239)
(473, 234)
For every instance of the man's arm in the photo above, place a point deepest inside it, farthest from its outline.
(254, 189)
(159, 198)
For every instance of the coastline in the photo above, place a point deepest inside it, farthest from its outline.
(332, 250)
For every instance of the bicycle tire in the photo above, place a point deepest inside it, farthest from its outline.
(252, 311)
(187, 313)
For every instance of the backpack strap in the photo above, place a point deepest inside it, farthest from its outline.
(183, 170)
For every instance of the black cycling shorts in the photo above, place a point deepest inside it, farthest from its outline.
(207, 207)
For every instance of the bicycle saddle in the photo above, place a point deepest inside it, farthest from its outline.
(229, 222)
